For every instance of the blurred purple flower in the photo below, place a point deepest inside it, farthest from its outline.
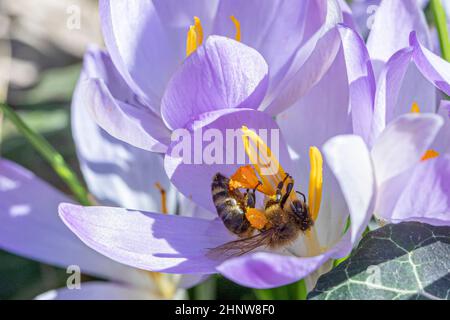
(409, 74)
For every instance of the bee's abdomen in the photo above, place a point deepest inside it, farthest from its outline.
(228, 209)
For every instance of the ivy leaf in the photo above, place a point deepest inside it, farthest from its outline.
(403, 261)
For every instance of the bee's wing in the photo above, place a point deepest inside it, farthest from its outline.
(242, 246)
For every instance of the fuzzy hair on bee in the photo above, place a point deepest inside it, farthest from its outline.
(285, 219)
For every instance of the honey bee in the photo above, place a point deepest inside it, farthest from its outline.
(285, 220)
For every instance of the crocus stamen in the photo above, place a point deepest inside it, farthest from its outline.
(415, 108)
(237, 25)
(430, 154)
(194, 37)
(198, 31)
(163, 198)
(191, 41)
(263, 161)
(315, 181)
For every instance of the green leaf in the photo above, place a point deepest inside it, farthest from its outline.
(54, 158)
(441, 25)
(404, 261)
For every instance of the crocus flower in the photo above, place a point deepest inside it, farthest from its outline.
(174, 244)
(147, 41)
(116, 173)
(410, 179)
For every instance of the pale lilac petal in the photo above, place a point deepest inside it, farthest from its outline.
(192, 172)
(349, 159)
(266, 26)
(30, 227)
(442, 142)
(221, 74)
(264, 270)
(402, 144)
(97, 290)
(347, 14)
(140, 47)
(425, 197)
(149, 241)
(115, 107)
(394, 21)
(361, 81)
(129, 173)
(308, 64)
(433, 67)
(401, 84)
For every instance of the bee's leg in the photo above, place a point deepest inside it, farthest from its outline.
(278, 195)
(303, 195)
(251, 196)
(289, 188)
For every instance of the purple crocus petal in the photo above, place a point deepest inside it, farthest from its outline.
(433, 67)
(263, 270)
(388, 89)
(350, 162)
(403, 143)
(97, 290)
(149, 241)
(115, 108)
(139, 46)
(323, 113)
(394, 21)
(220, 151)
(361, 81)
(425, 197)
(308, 65)
(221, 74)
(29, 226)
(266, 26)
(347, 14)
(442, 142)
(130, 173)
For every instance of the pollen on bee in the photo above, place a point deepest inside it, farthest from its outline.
(245, 177)
(257, 218)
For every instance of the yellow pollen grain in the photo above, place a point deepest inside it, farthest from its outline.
(315, 181)
(415, 108)
(237, 25)
(430, 154)
(257, 218)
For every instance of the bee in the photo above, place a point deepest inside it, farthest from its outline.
(285, 219)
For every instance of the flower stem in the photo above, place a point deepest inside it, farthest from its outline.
(54, 158)
(441, 25)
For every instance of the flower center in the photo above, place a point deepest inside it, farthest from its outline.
(429, 154)
(194, 37)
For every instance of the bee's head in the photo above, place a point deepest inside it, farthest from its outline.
(301, 212)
